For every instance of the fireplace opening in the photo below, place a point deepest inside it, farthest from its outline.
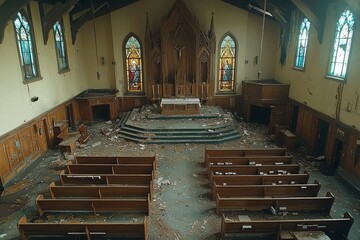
(101, 112)
(260, 114)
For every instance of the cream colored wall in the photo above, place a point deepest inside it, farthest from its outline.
(270, 48)
(95, 52)
(245, 27)
(313, 88)
(54, 89)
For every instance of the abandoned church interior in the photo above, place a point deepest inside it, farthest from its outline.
(180, 119)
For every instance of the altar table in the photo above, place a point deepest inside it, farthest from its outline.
(180, 106)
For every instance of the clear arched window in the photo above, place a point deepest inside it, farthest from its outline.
(303, 38)
(342, 45)
(60, 46)
(133, 65)
(26, 46)
(227, 59)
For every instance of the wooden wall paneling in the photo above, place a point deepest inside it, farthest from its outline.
(41, 135)
(226, 102)
(300, 122)
(84, 110)
(13, 150)
(113, 109)
(57, 115)
(5, 167)
(238, 104)
(307, 126)
(35, 139)
(351, 161)
(53, 117)
(128, 103)
(329, 149)
(76, 112)
(26, 143)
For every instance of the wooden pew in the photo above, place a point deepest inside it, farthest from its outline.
(284, 190)
(92, 205)
(113, 160)
(335, 228)
(253, 169)
(261, 179)
(99, 192)
(110, 168)
(244, 152)
(105, 179)
(303, 204)
(267, 160)
(85, 230)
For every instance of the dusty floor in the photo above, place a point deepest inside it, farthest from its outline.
(182, 207)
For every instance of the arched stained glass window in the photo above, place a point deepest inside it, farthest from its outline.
(60, 46)
(26, 46)
(302, 43)
(227, 65)
(133, 65)
(342, 45)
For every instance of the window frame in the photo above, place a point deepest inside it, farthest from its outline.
(220, 68)
(126, 69)
(63, 38)
(297, 44)
(26, 13)
(335, 77)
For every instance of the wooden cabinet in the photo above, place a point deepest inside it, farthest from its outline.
(264, 93)
(86, 103)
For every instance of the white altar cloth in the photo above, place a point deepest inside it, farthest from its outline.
(180, 101)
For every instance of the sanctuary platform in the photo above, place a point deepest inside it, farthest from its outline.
(148, 125)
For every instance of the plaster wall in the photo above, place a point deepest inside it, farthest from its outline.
(53, 89)
(99, 55)
(312, 87)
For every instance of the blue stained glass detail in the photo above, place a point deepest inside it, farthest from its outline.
(303, 39)
(60, 46)
(342, 45)
(26, 46)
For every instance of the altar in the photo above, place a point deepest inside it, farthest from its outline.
(180, 106)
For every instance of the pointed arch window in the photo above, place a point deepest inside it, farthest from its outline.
(302, 44)
(227, 60)
(26, 46)
(133, 65)
(342, 45)
(60, 46)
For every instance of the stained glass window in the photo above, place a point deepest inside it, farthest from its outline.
(342, 44)
(133, 65)
(60, 46)
(26, 46)
(227, 65)
(302, 43)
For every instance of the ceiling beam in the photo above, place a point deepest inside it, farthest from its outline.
(79, 22)
(275, 11)
(56, 12)
(319, 25)
(7, 10)
(355, 4)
